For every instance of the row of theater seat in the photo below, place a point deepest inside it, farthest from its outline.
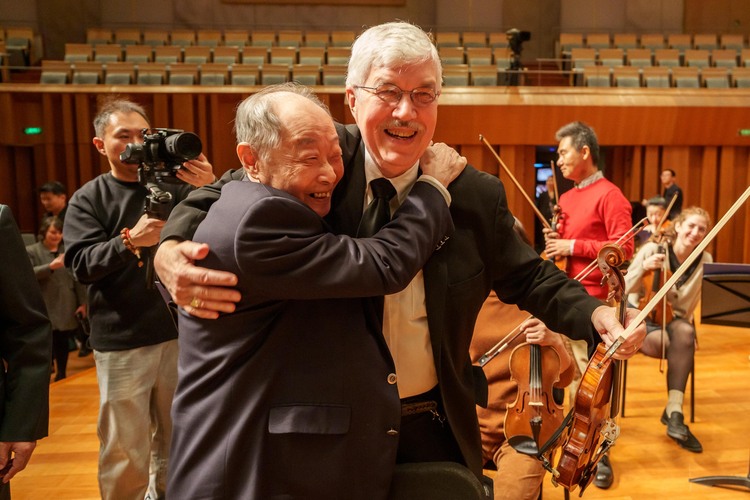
(198, 54)
(728, 58)
(18, 46)
(653, 41)
(661, 77)
(152, 73)
(215, 38)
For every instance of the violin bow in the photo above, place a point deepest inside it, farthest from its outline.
(665, 264)
(544, 221)
(515, 332)
(554, 180)
(697, 251)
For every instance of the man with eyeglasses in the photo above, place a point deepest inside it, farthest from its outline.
(392, 88)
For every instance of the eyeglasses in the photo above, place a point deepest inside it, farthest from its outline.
(391, 94)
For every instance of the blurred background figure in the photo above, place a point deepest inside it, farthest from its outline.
(54, 199)
(63, 296)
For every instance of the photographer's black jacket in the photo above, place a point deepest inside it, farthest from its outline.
(124, 313)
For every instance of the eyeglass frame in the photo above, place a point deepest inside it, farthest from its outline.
(401, 92)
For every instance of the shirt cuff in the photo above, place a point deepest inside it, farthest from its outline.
(437, 185)
(572, 246)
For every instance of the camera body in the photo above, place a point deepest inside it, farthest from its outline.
(162, 154)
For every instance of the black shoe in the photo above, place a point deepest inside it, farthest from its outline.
(676, 428)
(84, 351)
(691, 443)
(605, 476)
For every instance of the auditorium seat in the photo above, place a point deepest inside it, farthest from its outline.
(226, 54)
(741, 77)
(255, 55)
(284, 55)
(306, 74)
(317, 38)
(597, 76)
(656, 76)
(715, 78)
(168, 54)
(456, 75)
(745, 58)
(196, 54)
(680, 42)
(598, 41)
(128, 36)
(237, 38)
(119, 73)
(208, 38)
(474, 39)
(436, 481)
(19, 43)
(151, 73)
(108, 53)
(697, 57)
(290, 38)
(734, 41)
(312, 55)
(75, 52)
(626, 76)
(55, 72)
(580, 57)
(483, 75)
(705, 41)
(625, 41)
(667, 57)
(342, 38)
(447, 39)
(182, 38)
(87, 72)
(97, 36)
(652, 41)
(272, 74)
(244, 74)
(639, 57)
(568, 42)
(338, 55)
(452, 55)
(333, 74)
(155, 37)
(612, 57)
(478, 56)
(262, 38)
(183, 74)
(139, 53)
(497, 39)
(686, 77)
(214, 73)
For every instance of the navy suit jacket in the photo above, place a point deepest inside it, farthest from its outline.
(484, 253)
(293, 395)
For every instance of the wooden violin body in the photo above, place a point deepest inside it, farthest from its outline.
(534, 413)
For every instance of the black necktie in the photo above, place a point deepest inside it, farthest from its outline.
(378, 212)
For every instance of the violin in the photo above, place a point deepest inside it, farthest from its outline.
(592, 427)
(534, 414)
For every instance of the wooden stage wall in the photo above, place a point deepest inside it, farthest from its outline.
(692, 131)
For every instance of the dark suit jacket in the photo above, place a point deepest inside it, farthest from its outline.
(484, 253)
(290, 396)
(25, 341)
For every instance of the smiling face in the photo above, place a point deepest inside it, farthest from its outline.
(654, 213)
(396, 135)
(307, 164)
(691, 231)
(574, 164)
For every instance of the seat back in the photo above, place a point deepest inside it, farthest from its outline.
(119, 73)
(236, 38)
(474, 39)
(456, 75)
(55, 72)
(436, 481)
(139, 53)
(334, 74)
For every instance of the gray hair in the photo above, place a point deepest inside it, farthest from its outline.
(581, 135)
(391, 45)
(256, 121)
(113, 106)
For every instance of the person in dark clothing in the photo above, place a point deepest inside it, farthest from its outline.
(54, 199)
(670, 190)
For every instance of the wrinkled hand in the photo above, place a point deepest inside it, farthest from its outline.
(57, 262)
(537, 332)
(442, 162)
(197, 172)
(21, 451)
(201, 292)
(605, 321)
(146, 231)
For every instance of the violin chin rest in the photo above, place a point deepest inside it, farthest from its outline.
(524, 445)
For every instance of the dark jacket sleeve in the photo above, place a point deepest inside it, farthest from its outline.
(25, 341)
(188, 214)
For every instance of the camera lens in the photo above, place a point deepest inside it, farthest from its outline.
(185, 145)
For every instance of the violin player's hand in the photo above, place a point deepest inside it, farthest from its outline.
(537, 333)
(605, 321)
(654, 262)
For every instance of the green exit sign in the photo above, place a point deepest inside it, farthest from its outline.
(32, 130)
(744, 132)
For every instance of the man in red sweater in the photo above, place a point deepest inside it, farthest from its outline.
(593, 213)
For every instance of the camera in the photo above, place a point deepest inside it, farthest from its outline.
(516, 38)
(162, 154)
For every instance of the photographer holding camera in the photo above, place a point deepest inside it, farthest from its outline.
(108, 236)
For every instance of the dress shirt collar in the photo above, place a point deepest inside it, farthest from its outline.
(590, 179)
(402, 183)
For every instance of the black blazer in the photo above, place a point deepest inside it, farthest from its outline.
(293, 395)
(25, 341)
(484, 253)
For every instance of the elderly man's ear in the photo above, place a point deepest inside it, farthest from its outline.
(248, 158)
